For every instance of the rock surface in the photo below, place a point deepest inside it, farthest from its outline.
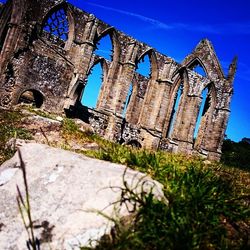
(66, 191)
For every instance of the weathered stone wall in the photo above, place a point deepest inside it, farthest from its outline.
(55, 65)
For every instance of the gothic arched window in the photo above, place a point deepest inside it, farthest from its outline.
(104, 48)
(56, 27)
(143, 67)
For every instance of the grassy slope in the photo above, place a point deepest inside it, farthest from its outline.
(10, 127)
(208, 204)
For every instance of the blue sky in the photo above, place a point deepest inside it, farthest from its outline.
(174, 28)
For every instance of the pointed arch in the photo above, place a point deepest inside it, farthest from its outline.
(176, 104)
(148, 115)
(180, 75)
(104, 48)
(58, 26)
(177, 97)
(196, 63)
(77, 90)
(91, 92)
(104, 64)
(153, 62)
(116, 48)
(143, 67)
(205, 54)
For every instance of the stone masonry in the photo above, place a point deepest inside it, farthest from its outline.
(48, 50)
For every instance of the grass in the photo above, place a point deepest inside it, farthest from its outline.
(10, 128)
(205, 210)
(208, 204)
(71, 132)
(39, 112)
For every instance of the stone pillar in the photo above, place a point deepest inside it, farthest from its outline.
(167, 67)
(218, 134)
(4, 20)
(136, 100)
(14, 35)
(125, 79)
(186, 118)
(122, 76)
(162, 119)
(203, 132)
(214, 123)
(81, 54)
(13, 41)
(117, 99)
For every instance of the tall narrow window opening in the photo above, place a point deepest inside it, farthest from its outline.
(144, 67)
(128, 98)
(92, 88)
(175, 109)
(203, 109)
(196, 67)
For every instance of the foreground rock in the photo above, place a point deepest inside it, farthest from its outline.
(65, 190)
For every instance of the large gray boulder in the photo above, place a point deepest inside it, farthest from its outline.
(66, 190)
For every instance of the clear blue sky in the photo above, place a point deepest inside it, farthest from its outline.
(174, 28)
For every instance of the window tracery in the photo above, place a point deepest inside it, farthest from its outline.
(56, 27)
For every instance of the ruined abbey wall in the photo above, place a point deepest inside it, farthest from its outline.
(53, 61)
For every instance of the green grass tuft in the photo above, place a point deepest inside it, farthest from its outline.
(204, 210)
(10, 128)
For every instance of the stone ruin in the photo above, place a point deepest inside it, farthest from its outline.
(48, 49)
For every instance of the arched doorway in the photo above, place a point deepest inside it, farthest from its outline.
(32, 97)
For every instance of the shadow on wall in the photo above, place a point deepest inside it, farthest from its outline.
(78, 111)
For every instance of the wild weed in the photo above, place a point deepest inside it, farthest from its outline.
(25, 209)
